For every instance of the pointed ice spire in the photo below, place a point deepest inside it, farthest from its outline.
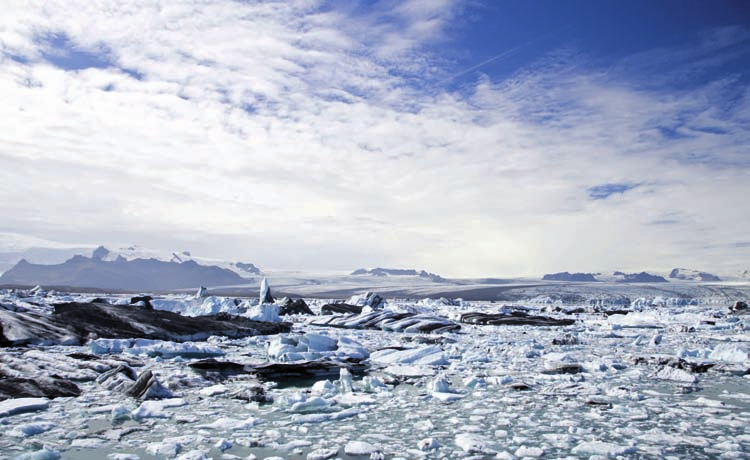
(202, 292)
(265, 292)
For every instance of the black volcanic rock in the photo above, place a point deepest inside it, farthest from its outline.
(74, 323)
(641, 277)
(133, 275)
(565, 276)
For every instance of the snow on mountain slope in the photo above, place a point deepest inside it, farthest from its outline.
(692, 275)
(133, 252)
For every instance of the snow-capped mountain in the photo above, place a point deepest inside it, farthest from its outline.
(243, 269)
(566, 276)
(138, 274)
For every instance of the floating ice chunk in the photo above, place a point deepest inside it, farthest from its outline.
(730, 353)
(265, 292)
(373, 384)
(155, 348)
(367, 299)
(426, 356)
(322, 454)
(440, 384)
(213, 390)
(232, 424)
(120, 413)
(118, 456)
(311, 418)
(352, 349)
(410, 371)
(44, 454)
(525, 451)
(345, 380)
(354, 399)
(267, 312)
(30, 429)
(323, 388)
(428, 444)
(315, 346)
(472, 444)
(193, 455)
(360, 448)
(88, 443)
(424, 425)
(156, 409)
(605, 449)
(166, 448)
(21, 405)
(678, 375)
(314, 404)
(441, 389)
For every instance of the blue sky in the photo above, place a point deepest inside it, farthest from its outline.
(469, 138)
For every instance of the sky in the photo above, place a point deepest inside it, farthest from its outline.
(468, 138)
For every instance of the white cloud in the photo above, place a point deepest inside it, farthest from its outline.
(282, 133)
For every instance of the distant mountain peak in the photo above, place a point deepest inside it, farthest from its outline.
(642, 277)
(100, 253)
(692, 275)
(566, 276)
(132, 275)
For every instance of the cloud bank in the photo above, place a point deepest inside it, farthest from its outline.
(300, 135)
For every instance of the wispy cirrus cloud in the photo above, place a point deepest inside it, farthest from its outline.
(298, 134)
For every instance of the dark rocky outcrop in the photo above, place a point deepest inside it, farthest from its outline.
(131, 275)
(738, 306)
(565, 276)
(295, 307)
(340, 308)
(74, 323)
(515, 318)
(641, 277)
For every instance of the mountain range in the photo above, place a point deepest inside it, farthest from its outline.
(121, 274)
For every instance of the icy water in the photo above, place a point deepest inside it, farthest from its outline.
(502, 392)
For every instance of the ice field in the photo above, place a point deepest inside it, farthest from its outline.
(653, 377)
